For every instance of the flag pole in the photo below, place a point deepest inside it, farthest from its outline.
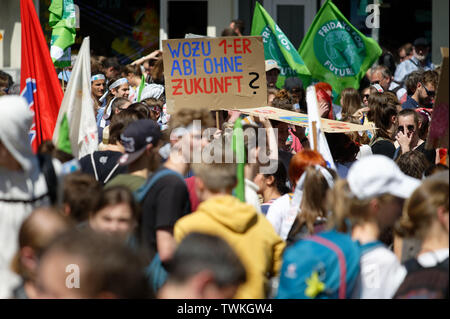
(217, 120)
(314, 132)
(62, 79)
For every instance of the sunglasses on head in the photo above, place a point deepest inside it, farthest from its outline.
(429, 93)
(410, 129)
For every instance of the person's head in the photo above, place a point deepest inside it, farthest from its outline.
(411, 82)
(373, 193)
(350, 101)
(316, 182)
(271, 94)
(157, 72)
(98, 84)
(275, 181)
(301, 161)
(283, 133)
(424, 123)
(324, 97)
(117, 105)
(421, 48)
(408, 123)
(295, 87)
(342, 147)
(426, 88)
(283, 100)
(97, 265)
(326, 87)
(141, 141)
(405, 52)
(116, 212)
(5, 81)
(272, 72)
(365, 93)
(238, 26)
(80, 195)
(425, 214)
(119, 87)
(120, 122)
(359, 138)
(229, 32)
(203, 267)
(155, 107)
(35, 234)
(111, 67)
(381, 75)
(149, 64)
(383, 114)
(413, 163)
(133, 74)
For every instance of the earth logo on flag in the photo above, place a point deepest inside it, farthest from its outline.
(339, 48)
(273, 52)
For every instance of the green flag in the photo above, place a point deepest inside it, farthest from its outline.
(239, 150)
(141, 87)
(64, 136)
(335, 51)
(277, 46)
(62, 20)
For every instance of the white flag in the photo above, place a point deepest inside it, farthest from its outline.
(313, 116)
(77, 108)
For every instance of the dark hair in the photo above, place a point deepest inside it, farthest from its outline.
(5, 79)
(111, 62)
(280, 177)
(198, 252)
(120, 122)
(108, 264)
(157, 74)
(381, 113)
(117, 195)
(342, 147)
(413, 163)
(411, 82)
(80, 192)
(116, 105)
(409, 112)
(229, 32)
(283, 100)
(430, 77)
(435, 168)
(239, 24)
(47, 147)
(133, 69)
(142, 108)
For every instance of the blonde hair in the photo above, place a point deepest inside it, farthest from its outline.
(185, 117)
(420, 209)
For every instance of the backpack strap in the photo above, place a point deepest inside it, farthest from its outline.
(141, 192)
(370, 246)
(341, 260)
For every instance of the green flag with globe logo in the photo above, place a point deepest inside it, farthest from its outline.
(277, 46)
(336, 52)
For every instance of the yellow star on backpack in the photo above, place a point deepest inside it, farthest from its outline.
(315, 286)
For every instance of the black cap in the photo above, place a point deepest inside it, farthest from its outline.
(136, 137)
(293, 83)
(421, 42)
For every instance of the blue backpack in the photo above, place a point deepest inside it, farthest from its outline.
(324, 266)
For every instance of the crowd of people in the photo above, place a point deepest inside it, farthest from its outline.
(139, 219)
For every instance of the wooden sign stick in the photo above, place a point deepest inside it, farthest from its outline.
(314, 132)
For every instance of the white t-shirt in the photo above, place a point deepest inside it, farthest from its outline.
(380, 276)
(432, 258)
(278, 215)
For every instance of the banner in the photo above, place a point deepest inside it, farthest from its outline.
(39, 83)
(277, 46)
(76, 130)
(336, 52)
(62, 20)
(299, 119)
(438, 133)
(216, 73)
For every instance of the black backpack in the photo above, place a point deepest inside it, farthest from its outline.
(424, 282)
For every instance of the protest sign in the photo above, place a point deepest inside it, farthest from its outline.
(438, 134)
(216, 73)
(300, 119)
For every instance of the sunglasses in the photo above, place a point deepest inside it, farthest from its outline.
(410, 128)
(374, 82)
(429, 93)
(366, 96)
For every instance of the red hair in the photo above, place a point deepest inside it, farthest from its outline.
(301, 161)
(323, 86)
(321, 94)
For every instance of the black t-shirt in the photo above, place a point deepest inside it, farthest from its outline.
(384, 147)
(166, 202)
(105, 164)
(429, 154)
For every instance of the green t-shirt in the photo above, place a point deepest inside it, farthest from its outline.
(132, 182)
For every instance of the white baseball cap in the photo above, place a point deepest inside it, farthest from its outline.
(376, 175)
(272, 64)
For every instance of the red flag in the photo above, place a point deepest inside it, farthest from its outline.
(39, 83)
